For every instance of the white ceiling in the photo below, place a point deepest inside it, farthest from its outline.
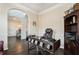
(14, 19)
(17, 13)
(38, 7)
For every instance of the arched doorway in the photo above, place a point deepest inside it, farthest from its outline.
(17, 29)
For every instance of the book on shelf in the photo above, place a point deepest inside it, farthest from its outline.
(74, 21)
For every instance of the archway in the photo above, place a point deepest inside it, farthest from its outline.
(20, 16)
(17, 27)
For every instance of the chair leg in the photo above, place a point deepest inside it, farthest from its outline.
(37, 49)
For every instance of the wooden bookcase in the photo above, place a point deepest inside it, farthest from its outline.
(71, 32)
(71, 24)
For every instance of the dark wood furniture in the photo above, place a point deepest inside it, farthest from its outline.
(71, 47)
(71, 33)
(1, 47)
(44, 45)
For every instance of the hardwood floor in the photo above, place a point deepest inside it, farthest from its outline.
(60, 51)
(20, 47)
(16, 46)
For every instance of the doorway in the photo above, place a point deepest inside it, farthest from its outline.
(17, 31)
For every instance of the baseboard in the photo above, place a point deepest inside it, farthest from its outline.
(22, 39)
(11, 36)
(6, 48)
(61, 47)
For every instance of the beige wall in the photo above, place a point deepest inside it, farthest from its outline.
(54, 19)
(33, 29)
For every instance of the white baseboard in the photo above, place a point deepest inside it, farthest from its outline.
(5, 48)
(62, 47)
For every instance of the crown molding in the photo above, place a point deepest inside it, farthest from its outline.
(42, 12)
(26, 8)
(51, 8)
(38, 13)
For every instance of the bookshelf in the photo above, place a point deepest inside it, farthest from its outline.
(71, 24)
(71, 32)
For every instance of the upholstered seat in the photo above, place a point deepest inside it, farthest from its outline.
(48, 35)
(45, 44)
(32, 41)
(36, 42)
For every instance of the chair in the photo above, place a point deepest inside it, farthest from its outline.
(48, 34)
(41, 44)
(49, 47)
(1, 47)
(36, 42)
(31, 42)
(44, 43)
(56, 45)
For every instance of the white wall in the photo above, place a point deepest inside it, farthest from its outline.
(13, 25)
(33, 29)
(54, 19)
(3, 26)
(4, 8)
(12, 29)
(24, 27)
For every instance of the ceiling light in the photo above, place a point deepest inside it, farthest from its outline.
(24, 13)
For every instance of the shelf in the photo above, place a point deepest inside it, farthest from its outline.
(71, 24)
(72, 31)
(71, 14)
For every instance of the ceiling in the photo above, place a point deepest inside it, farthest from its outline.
(14, 19)
(17, 13)
(38, 7)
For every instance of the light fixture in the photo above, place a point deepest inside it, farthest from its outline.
(19, 26)
(24, 14)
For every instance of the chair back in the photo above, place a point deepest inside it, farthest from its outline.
(48, 33)
(56, 45)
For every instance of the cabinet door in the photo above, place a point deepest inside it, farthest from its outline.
(67, 46)
(77, 45)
